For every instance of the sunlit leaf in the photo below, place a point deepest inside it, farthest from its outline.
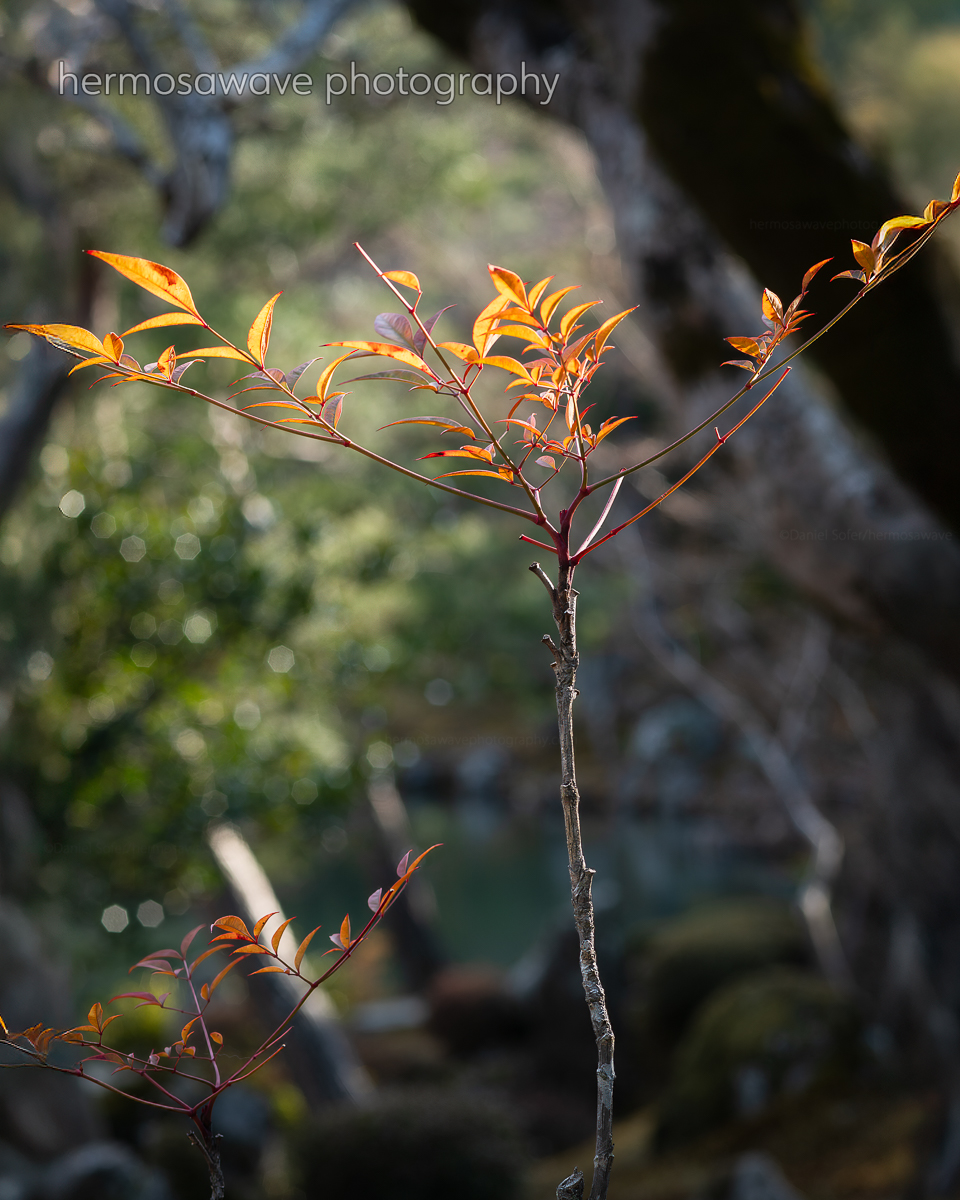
(509, 364)
(467, 353)
(771, 306)
(808, 277)
(610, 425)
(537, 291)
(302, 948)
(864, 255)
(483, 338)
(747, 345)
(534, 336)
(71, 337)
(386, 350)
(889, 230)
(858, 275)
(407, 278)
(152, 277)
(204, 956)
(509, 284)
(216, 1037)
(95, 1016)
(546, 461)
(250, 948)
(232, 924)
(448, 425)
(270, 970)
(603, 333)
(185, 1031)
(548, 307)
(291, 378)
(220, 352)
(258, 928)
(745, 363)
(278, 934)
(569, 319)
(163, 320)
(258, 339)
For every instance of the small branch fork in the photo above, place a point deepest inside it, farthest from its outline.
(232, 935)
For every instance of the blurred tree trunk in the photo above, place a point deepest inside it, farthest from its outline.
(721, 155)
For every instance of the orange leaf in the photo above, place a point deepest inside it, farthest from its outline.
(258, 339)
(95, 1016)
(267, 970)
(568, 319)
(212, 987)
(185, 1031)
(327, 373)
(450, 474)
(955, 194)
(482, 336)
(448, 426)
(152, 277)
(71, 336)
(113, 345)
(610, 425)
(407, 278)
(164, 319)
(386, 350)
(537, 290)
(808, 277)
(467, 353)
(864, 255)
(548, 307)
(600, 339)
(521, 331)
(302, 948)
(345, 931)
(97, 360)
(232, 923)
(250, 948)
(771, 306)
(216, 1037)
(220, 352)
(509, 284)
(258, 928)
(509, 364)
(278, 934)
(746, 345)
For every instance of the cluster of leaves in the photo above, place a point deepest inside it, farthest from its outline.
(198, 1043)
(559, 364)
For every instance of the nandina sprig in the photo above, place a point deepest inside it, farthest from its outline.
(196, 1052)
(552, 372)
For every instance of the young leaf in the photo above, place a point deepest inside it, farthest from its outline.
(326, 375)
(603, 333)
(302, 948)
(395, 328)
(163, 320)
(419, 337)
(407, 278)
(231, 923)
(292, 377)
(386, 350)
(188, 940)
(509, 284)
(864, 255)
(808, 277)
(537, 291)
(278, 934)
(448, 426)
(610, 425)
(483, 337)
(546, 461)
(210, 988)
(548, 307)
(772, 307)
(220, 352)
(152, 277)
(70, 337)
(569, 319)
(268, 970)
(216, 1037)
(345, 932)
(373, 900)
(402, 864)
(258, 928)
(258, 339)
(467, 353)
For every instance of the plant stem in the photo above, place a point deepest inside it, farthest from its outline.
(566, 660)
(209, 1146)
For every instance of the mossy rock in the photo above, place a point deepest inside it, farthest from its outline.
(776, 1032)
(412, 1144)
(673, 971)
